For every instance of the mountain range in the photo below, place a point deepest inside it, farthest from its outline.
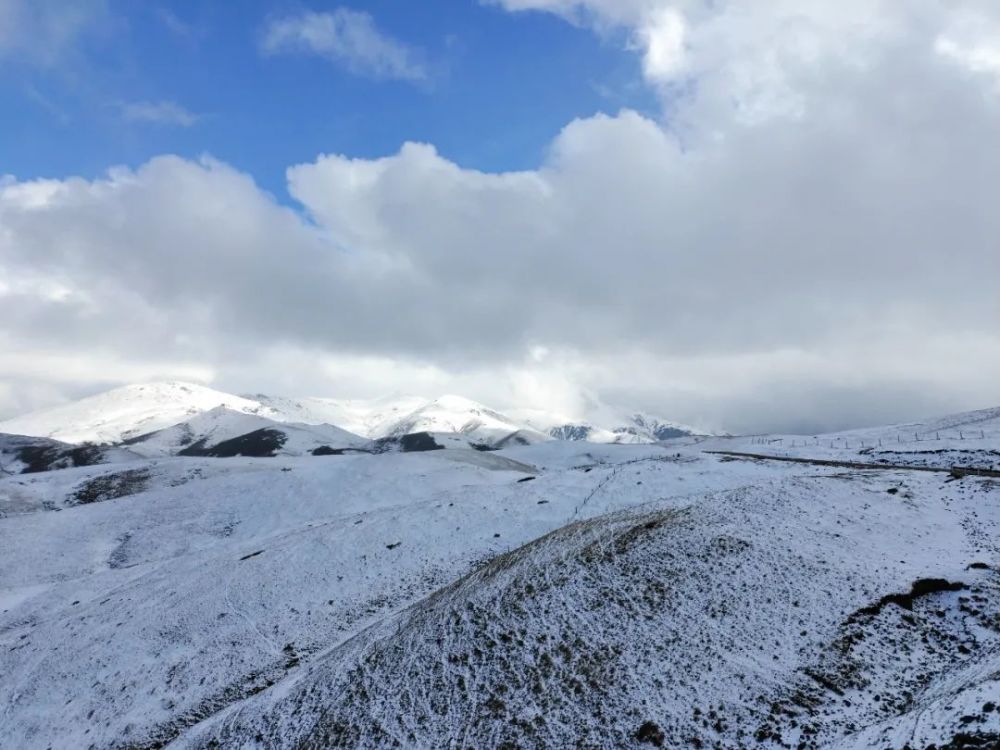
(195, 413)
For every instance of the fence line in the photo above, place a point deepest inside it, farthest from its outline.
(846, 443)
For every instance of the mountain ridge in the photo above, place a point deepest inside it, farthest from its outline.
(125, 413)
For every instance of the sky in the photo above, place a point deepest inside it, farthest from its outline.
(745, 216)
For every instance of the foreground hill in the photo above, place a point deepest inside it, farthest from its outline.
(549, 595)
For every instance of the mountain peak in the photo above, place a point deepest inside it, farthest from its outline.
(452, 401)
(125, 412)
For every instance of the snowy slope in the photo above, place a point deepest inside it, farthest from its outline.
(126, 412)
(740, 620)
(599, 423)
(208, 430)
(551, 595)
(394, 416)
(970, 439)
(21, 454)
(463, 416)
(372, 418)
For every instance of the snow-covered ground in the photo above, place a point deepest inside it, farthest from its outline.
(971, 439)
(549, 595)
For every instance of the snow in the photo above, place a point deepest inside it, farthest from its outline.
(463, 416)
(135, 410)
(600, 423)
(546, 595)
(125, 412)
(217, 425)
(971, 439)
(369, 418)
(395, 416)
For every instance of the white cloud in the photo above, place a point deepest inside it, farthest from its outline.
(662, 38)
(161, 112)
(972, 40)
(744, 55)
(816, 249)
(175, 25)
(346, 37)
(619, 12)
(46, 32)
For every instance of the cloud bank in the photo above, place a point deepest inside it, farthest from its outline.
(806, 239)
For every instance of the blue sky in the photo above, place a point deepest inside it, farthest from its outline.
(496, 87)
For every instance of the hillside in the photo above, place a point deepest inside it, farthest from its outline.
(541, 595)
(126, 412)
(217, 432)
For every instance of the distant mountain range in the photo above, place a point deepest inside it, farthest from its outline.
(171, 417)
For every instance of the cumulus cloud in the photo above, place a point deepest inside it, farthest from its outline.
(816, 250)
(346, 37)
(662, 37)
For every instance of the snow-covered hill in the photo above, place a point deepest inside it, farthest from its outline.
(222, 432)
(372, 418)
(22, 454)
(600, 423)
(637, 428)
(395, 416)
(464, 417)
(126, 412)
(740, 619)
(969, 439)
(548, 595)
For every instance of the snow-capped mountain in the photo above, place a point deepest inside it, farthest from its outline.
(372, 418)
(21, 454)
(394, 416)
(126, 412)
(635, 429)
(222, 431)
(463, 416)
(130, 412)
(600, 423)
